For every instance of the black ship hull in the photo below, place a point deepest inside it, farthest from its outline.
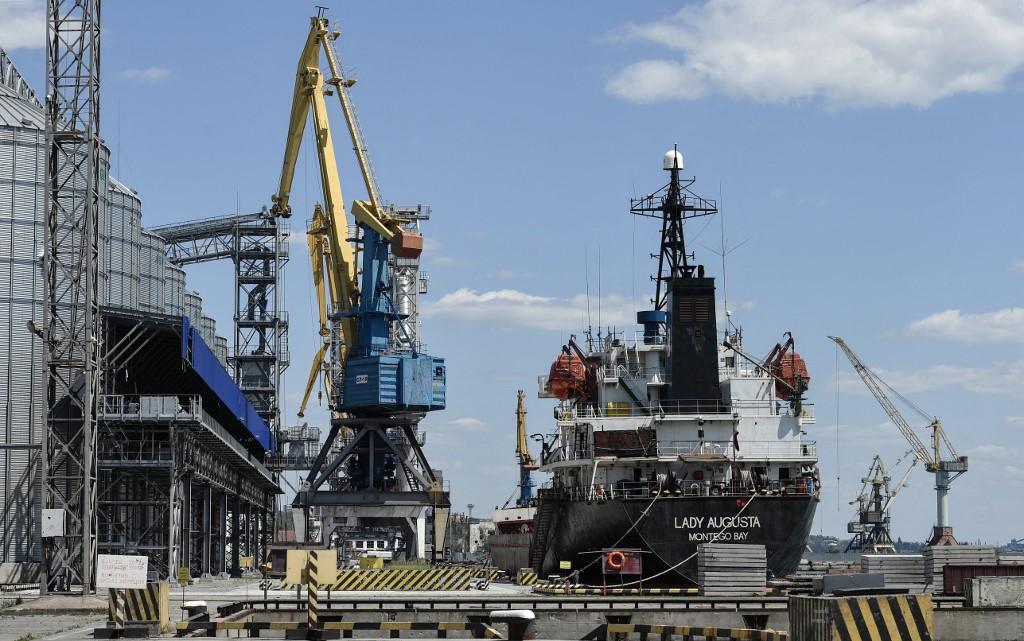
(669, 529)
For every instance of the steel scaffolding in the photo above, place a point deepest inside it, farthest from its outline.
(71, 316)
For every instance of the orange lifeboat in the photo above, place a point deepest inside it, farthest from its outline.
(791, 369)
(568, 377)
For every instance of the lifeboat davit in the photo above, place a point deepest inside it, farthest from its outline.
(791, 369)
(568, 377)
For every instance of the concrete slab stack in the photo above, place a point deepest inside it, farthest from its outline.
(939, 556)
(899, 570)
(726, 569)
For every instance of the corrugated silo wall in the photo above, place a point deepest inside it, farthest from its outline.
(22, 380)
(22, 167)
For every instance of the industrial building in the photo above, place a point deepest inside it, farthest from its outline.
(181, 469)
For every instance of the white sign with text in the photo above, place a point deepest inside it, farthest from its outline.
(121, 571)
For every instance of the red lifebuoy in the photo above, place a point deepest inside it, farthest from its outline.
(616, 559)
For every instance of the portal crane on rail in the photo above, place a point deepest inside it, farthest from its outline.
(872, 529)
(527, 464)
(378, 383)
(941, 460)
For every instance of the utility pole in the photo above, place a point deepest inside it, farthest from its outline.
(469, 531)
(71, 311)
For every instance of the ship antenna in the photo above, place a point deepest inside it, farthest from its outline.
(586, 277)
(598, 292)
(725, 281)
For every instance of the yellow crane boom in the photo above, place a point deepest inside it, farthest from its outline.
(331, 249)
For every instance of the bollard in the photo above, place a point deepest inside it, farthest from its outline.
(520, 623)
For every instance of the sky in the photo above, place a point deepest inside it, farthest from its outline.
(867, 157)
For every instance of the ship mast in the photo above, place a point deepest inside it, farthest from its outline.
(673, 204)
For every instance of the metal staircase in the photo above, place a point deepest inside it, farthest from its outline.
(541, 526)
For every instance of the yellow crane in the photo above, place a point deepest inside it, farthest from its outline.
(527, 463)
(331, 248)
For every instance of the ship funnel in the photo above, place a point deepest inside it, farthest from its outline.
(673, 160)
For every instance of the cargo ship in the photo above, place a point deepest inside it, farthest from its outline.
(674, 435)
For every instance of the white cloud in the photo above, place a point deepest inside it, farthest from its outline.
(468, 423)
(513, 308)
(1001, 326)
(1001, 379)
(1017, 265)
(1015, 420)
(147, 74)
(846, 52)
(22, 24)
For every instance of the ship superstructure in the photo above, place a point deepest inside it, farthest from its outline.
(675, 436)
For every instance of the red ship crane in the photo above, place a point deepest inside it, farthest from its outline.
(788, 368)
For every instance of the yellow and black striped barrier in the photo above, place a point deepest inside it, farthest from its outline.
(526, 576)
(551, 588)
(394, 628)
(862, 618)
(410, 580)
(139, 605)
(687, 632)
(418, 580)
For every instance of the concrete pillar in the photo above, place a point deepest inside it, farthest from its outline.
(421, 536)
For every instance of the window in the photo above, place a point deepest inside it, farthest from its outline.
(359, 544)
(380, 545)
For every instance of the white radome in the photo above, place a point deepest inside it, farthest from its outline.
(672, 160)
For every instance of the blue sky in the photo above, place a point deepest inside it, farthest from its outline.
(868, 153)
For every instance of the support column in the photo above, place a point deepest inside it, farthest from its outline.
(186, 521)
(207, 521)
(235, 538)
(421, 536)
(222, 533)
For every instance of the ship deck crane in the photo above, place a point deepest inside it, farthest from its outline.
(377, 391)
(941, 459)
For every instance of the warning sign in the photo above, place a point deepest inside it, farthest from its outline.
(121, 571)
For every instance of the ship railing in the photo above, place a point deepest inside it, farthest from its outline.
(695, 407)
(748, 408)
(747, 449)
(771, 407)
(801, 486)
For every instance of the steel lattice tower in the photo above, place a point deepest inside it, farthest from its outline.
(71, 316)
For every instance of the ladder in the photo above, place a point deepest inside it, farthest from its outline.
(541, 526)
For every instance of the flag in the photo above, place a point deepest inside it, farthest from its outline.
(736, 439)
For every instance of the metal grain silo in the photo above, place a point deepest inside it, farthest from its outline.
(193, 307)
(22, 237)
(153, 264)
(174, 290)
(120, 234)
(207, 329)
(220, 348)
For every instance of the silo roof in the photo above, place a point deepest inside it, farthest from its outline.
(15, 111)
(18, 104)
